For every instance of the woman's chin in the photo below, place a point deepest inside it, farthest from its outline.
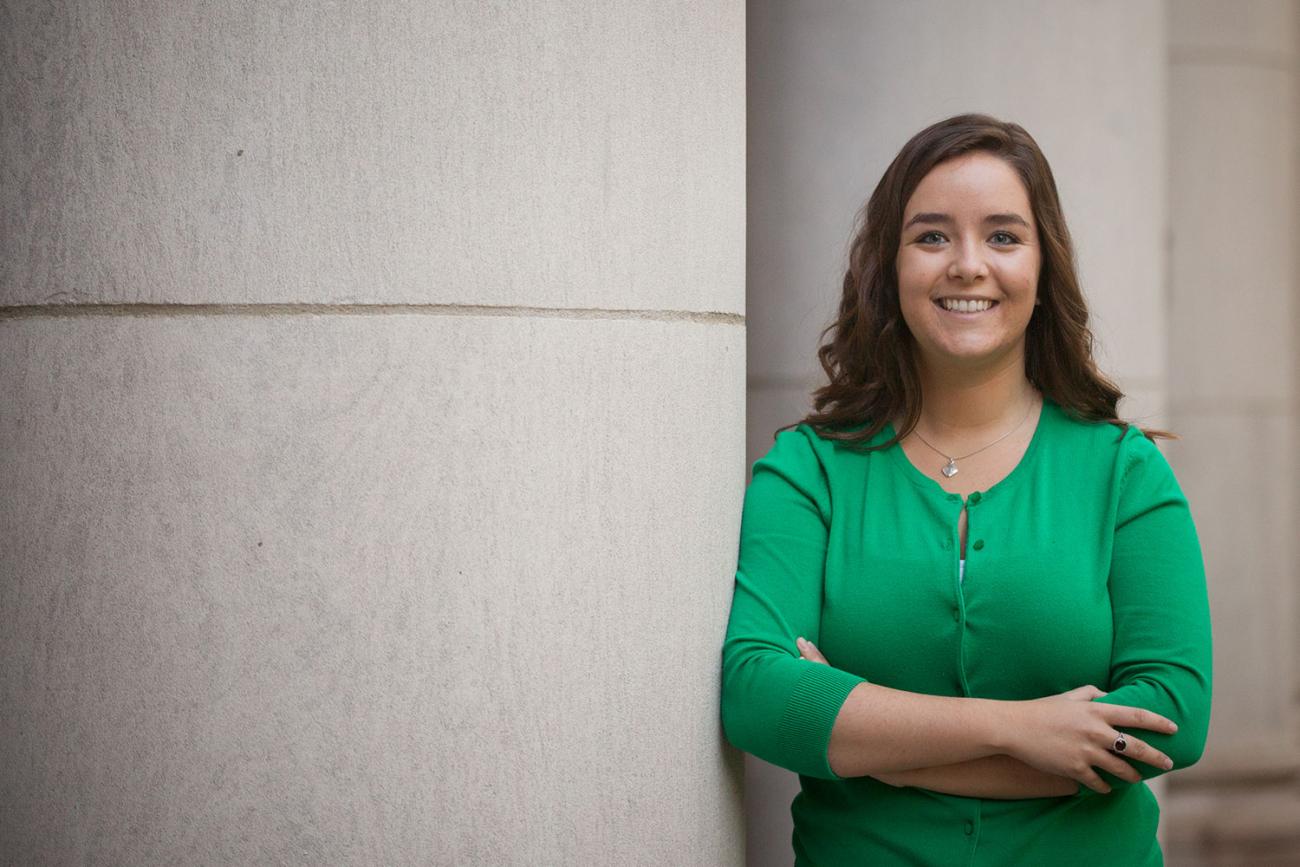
(970, 353)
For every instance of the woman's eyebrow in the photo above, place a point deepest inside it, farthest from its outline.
(946, 219)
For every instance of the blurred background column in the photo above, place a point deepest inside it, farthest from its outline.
(1233, 395)
(350, 360)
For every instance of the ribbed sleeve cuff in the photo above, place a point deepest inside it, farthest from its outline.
(804, 732)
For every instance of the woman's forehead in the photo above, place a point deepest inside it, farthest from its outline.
(975, 187)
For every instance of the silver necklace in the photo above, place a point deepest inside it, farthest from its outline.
(950, 469)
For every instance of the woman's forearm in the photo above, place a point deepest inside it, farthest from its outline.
(881, 730)
(999, 776)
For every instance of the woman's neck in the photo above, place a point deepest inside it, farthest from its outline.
(974, 402)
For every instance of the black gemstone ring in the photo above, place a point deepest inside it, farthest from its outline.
(1120, 744)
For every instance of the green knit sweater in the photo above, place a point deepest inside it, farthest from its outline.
(1083, 566)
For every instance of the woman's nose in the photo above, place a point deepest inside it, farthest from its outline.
(967, 263)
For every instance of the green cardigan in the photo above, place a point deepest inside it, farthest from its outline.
(1083, 566)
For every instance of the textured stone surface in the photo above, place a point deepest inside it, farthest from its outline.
(553, 154)
(367, 589)
(339, 567)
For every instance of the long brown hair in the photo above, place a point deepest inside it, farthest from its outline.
(869, 358)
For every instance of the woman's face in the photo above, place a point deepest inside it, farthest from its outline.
(969, 233)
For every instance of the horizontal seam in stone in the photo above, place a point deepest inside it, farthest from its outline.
(18, 311)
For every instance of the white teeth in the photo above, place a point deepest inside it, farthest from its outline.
(965, 306)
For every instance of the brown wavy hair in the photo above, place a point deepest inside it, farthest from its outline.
(869, 358)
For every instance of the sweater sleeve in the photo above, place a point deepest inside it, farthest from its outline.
(1161, 657)
(774, 704)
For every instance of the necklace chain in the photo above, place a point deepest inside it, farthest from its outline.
(950, 469)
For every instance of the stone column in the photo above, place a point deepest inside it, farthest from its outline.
(371, 431)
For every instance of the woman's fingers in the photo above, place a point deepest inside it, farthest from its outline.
(1107, 761)
(1139, 718)
(1090, 779)
(1136, 748)
(1117, 766)
(809, 651)
(1087, 692)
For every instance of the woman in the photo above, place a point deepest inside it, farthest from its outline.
(999, 582)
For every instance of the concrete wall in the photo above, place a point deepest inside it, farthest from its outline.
(350, 357)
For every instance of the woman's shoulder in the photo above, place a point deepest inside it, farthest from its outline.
(814, 451)
(1096, 435)
(792, 471)
(792, 451)
(1118, 449)
(840, 443)
(841, 434)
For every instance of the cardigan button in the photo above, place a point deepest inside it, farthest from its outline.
(974, 497)
(970, 827)
(979, 544)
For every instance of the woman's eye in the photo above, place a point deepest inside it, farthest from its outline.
(1011, 239)
(922, 239)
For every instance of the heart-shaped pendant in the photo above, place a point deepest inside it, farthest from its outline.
(951, 469)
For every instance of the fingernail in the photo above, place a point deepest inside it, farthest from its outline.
(799, 641)
(1168, 764)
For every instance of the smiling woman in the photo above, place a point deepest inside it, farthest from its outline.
(997, 702)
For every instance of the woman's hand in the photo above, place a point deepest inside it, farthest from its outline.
(1068, 734)
(809, 651)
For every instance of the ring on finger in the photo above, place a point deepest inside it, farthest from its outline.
(1120, 744)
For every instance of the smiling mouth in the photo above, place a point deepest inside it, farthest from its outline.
(967, 314)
